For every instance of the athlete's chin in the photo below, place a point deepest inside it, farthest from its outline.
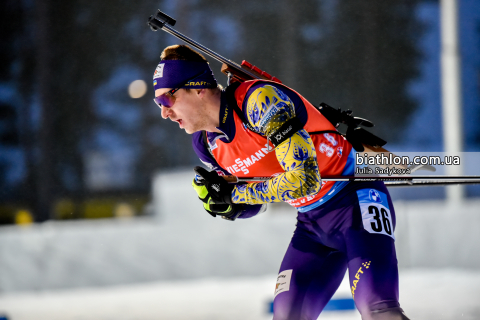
(183, 126)
(189, 130)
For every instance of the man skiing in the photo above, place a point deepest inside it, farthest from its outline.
(263, 128)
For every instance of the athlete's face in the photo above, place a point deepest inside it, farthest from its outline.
(188, 110)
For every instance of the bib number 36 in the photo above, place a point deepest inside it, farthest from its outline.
(376, 214)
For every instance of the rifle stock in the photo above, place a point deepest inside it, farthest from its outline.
(238, 75)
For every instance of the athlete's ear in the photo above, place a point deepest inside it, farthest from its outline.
(201, 92)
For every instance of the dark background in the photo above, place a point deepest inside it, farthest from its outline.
(74, 144)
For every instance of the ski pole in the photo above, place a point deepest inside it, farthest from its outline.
(391, 181)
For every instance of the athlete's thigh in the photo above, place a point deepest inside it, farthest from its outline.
(309, 276)
(372, 261)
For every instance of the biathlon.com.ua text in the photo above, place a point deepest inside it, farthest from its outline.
(381, 159)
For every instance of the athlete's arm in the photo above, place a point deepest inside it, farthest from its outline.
(209, 161)
(267, 109)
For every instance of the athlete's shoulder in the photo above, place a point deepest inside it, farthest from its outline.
(267, 93)
(265, 103)
(198, 143)
(200, 147)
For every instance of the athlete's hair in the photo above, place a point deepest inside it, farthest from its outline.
(183, 52)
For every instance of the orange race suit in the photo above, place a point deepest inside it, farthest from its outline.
(295, 165)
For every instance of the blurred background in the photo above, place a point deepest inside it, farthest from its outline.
(94, 185)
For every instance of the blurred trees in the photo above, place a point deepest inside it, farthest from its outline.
(358, 55)
(11, 14)
(71, 62)
(369, 70)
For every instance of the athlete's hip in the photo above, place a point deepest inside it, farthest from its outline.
(359, 207)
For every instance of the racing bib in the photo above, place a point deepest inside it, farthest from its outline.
(376, 215)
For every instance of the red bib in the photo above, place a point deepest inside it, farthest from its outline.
(249, 155)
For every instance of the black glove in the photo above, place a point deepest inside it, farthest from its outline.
(219, 189)
(214, 201)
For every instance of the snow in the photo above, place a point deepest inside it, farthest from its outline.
(184, 264)
(424, 294)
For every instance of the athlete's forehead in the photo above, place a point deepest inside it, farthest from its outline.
(159, 92)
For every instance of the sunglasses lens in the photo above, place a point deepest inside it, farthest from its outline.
(165, 100)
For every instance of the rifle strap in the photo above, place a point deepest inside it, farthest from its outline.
(232, 102)
(205, 141)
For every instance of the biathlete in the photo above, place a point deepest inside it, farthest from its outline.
(263, 128)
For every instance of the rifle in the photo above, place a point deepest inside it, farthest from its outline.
(361, 139)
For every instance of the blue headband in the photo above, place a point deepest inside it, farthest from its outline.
(174, 73)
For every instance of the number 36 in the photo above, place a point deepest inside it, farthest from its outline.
(380, 221)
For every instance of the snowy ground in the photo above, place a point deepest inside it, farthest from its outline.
(184, 264)
(425, 294)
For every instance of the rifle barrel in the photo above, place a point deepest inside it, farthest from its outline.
(202, 48)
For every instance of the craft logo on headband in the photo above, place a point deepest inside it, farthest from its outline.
(176, 73)
(203, 84)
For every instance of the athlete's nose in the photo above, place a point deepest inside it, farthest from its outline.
(166, 112)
